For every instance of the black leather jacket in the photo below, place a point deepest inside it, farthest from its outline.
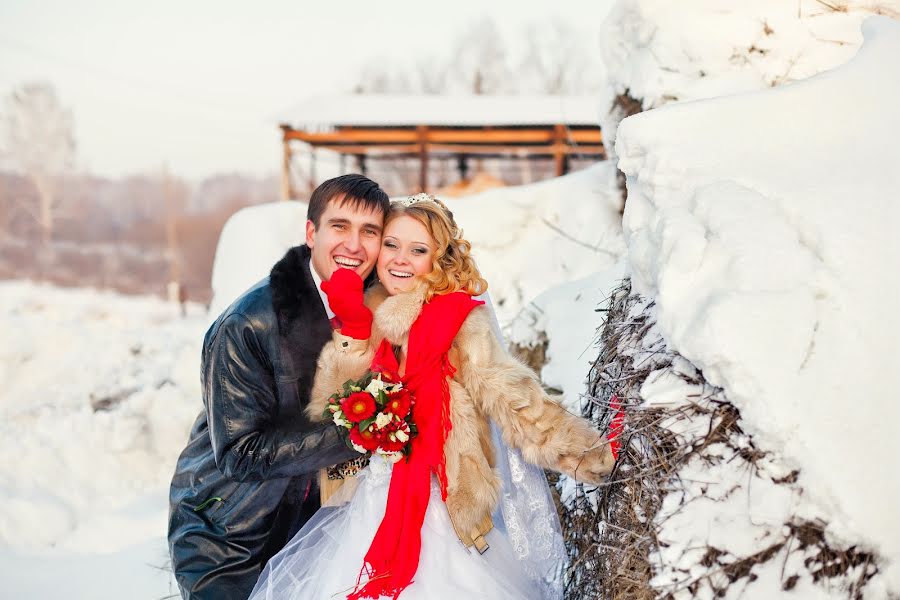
(246, 482)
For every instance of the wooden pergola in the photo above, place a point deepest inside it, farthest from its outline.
(426, 127)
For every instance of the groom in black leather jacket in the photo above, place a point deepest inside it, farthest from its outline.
(246, 482)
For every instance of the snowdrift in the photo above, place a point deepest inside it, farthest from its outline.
(773, 266)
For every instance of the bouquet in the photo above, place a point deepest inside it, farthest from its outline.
(376, 414)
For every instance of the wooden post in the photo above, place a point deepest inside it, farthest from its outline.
(174, 289)
(422, 131)
(462, 161)
(559, 152)
(361, 162)
(286, 193)
(312, 169)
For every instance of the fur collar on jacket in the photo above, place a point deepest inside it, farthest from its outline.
(294, 290)
(394, 315)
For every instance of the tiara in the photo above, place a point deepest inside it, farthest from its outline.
(420, 197)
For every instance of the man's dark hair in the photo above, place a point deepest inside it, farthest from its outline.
(357, 190)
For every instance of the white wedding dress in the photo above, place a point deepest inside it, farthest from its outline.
(524, 560)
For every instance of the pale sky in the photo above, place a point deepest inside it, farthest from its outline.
(198, 84)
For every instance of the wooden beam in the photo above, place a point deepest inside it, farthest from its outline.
(523, 151)
(510, 136)
(374, 151)
(445, 135)
(286, 170)
(371, 148)
(367, 136)
(423, 132)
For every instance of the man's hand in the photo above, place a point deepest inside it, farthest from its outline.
(345, 297)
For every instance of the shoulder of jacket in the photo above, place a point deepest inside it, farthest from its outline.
(252, 310)
(477, 327)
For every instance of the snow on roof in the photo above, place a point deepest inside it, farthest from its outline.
(412, 109)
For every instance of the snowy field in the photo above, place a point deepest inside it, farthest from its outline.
(98, 393)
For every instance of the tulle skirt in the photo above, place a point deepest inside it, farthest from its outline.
(324, 559)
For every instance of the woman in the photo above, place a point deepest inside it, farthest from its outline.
(398, 532)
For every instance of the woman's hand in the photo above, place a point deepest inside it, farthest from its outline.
(592, 466)
(345, 297)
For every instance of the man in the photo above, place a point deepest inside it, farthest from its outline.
(246, 482)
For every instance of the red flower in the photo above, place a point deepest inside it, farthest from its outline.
(358, 406)
(395, 445)
(365, 438)
(399, 403)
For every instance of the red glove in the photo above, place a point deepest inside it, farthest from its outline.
(345, 297)
(615, 426)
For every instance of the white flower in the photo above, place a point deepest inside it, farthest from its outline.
(375, 385)
(402, 435)
(339, 419)
(391, 457)
(358, 448)
(382, 419)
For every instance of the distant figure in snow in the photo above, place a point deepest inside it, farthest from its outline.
(246, 482)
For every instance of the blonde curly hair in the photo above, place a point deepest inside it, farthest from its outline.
(452, 266)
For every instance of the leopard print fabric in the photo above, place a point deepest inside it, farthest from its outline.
(348, 469)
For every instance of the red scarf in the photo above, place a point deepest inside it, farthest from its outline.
(393, 557)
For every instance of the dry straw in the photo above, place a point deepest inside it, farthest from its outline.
(612, 532)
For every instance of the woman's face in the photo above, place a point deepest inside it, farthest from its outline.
(406, 253)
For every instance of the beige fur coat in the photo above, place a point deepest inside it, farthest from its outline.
(489, 383)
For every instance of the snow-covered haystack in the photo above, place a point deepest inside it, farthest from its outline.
(762, 226)
(658, 51)
(694, 508)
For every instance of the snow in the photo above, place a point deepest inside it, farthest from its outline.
(663, 51)
(774, 269)
(84, 490)
(567, 316)
(252, 240)
(428, 109)
(528, 239)
(658, 51)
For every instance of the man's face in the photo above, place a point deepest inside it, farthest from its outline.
(348, 237)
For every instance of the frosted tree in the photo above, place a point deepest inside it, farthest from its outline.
(480, 62)
(40, 141)
(557, 61)
(380, 77)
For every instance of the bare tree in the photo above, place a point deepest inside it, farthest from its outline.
(479, 61)
(431, 75)
(380, 77)
(40, 141)
(557, 61)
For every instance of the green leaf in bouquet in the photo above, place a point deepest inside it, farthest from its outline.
(365, 424)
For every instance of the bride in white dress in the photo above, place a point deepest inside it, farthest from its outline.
(494, 413)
